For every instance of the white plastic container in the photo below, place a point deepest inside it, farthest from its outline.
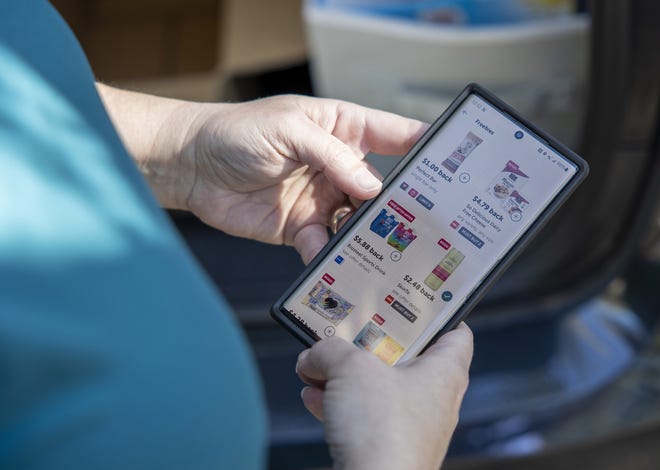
(416, 69)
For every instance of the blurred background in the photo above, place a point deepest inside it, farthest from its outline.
(567, 361)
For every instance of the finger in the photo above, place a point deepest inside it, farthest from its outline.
(306, 379)
(455, 346)
(337, 161)
(320, 384)
(345, 219)
(313, 400)
(374, 170)
(358, 202)
(310, 240)
(446, 364)
(320, 362)
(390, 134)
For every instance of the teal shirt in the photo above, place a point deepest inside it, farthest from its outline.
(115, 349)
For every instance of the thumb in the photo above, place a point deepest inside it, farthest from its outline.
(321, 361)
(448, 359)
(323, 152)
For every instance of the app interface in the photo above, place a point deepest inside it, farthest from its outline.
(434, 233)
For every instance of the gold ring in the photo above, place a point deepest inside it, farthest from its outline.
(338, 215)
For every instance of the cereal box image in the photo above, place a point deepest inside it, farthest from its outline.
(389, 350)
(372, 338)
(465, 148)
(402, 237)
(369, 337)
(384, 223)
(328, 303)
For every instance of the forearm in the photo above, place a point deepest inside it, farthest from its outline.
(157, 133)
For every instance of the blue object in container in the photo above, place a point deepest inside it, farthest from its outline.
(459, 12)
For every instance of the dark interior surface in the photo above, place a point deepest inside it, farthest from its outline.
(634, 449)
(593, 235)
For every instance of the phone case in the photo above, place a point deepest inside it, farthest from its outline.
(297, 326)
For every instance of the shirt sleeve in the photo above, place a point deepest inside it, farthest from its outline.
(115, 349)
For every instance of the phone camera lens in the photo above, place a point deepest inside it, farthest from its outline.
(518, 135)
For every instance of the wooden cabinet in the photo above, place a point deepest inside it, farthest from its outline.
(185, 48)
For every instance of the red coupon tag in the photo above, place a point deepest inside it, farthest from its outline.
(444, 243)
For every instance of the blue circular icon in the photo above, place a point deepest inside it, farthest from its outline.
(518, 135)
(447, 296)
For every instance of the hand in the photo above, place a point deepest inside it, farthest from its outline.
(275, 170)
(377, 416)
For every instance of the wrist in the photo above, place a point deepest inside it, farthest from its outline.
(394, 443)
(169, 164)
(390, 457)
(159, 133)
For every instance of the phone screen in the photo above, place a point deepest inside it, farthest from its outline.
(441, 225)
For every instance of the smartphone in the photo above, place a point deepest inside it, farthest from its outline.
(411, 263)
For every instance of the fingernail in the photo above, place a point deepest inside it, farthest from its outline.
(301, 357)
(302, 392)
(366, 180)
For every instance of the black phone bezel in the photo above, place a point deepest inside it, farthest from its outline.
(307, 337)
